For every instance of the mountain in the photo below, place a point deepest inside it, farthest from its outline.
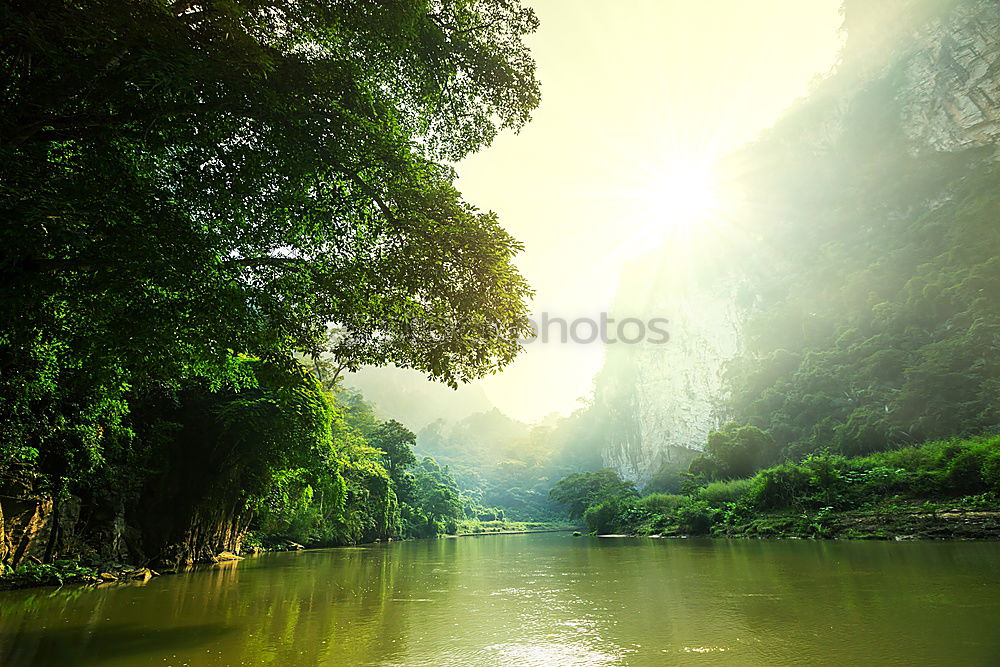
(848, 297)
(409, 397)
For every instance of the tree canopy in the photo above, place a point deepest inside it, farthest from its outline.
(583, 489)
(183, 183)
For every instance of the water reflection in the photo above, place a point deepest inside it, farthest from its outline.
(535, 600)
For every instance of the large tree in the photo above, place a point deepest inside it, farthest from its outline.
(183, 182)
(580, 490)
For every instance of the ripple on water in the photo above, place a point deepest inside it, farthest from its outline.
(559, 651)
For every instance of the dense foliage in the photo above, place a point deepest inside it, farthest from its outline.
(881, 324)
(580, 491)
(808, 498)
(183, 183)
(192, 196)
(368, 486)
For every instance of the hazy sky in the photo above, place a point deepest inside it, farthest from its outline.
(635, 95)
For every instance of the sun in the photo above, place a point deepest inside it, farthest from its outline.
(679, 196)
(669, 201)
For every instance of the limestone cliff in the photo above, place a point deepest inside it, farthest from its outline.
(664, 398)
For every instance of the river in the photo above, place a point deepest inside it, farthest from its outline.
(543, 599)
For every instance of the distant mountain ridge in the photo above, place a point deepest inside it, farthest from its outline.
(409, 397)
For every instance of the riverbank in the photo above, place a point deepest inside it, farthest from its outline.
(939, 490)
(72, 571)
(902, 524)
(887, 523)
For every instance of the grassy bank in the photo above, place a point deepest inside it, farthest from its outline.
(948, 489)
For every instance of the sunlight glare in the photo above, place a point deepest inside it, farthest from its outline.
(680, 196)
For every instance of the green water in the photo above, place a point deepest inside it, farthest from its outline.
(545, 599)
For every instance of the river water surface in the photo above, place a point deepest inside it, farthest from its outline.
(543, 599)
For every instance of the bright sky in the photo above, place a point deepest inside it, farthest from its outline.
(636, 96)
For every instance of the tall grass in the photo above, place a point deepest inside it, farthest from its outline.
(661, 503)
(719, 493)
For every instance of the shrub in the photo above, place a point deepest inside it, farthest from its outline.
(926, 483)
(877, 481)
(613, 515)
(826, 479)
(600, 518)
(964, 476)
(56, 573)
(696, 517)
(778, 487)
(907, 458)
(991, 469)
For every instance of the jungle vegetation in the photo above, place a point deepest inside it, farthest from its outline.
(910, 491)
(195, 197)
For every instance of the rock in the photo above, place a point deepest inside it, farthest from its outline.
(143, 574)
(227, 555)
(107, 576)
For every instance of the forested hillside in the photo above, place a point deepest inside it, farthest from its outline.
(858, 269)
(511, 465)
(846, 296)
(881, 325)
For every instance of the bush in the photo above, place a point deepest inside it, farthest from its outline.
(600, 518)
(910, 459)
(696, 517)
(819, 485)
(925, 483)
(614, 515)
(826, 480)
(991, 469)
(877, 482)
(718, 494)
(964, 476)
(778, 487)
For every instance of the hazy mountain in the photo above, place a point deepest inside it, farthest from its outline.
(408, 397)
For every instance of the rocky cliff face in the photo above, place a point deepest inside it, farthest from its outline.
(942, 63)
(664, 398)
(950, 88)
